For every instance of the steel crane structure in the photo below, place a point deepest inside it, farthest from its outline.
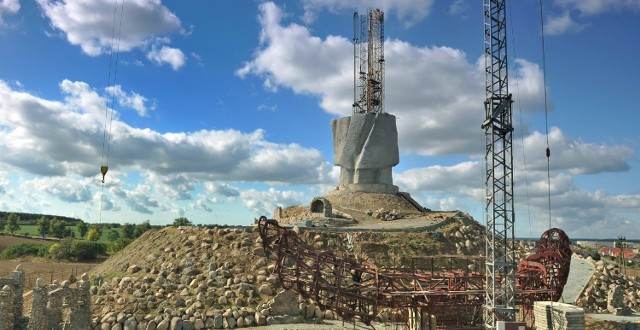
(500, 297)
(368, 62)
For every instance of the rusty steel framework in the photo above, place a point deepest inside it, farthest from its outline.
(426, 287)
(368, 62)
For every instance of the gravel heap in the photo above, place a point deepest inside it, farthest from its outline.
(609, 291)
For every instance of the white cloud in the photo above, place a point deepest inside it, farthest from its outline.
(8, 7)
(565, 22)
(575, 156)
(105, 202)
(223, 189)
(4, 182)
(448, 123)
(458, 7)
(557, 25)
(204, 203)
(90, 24)
(441, 179)
(172, 186)
(576, 210)
(65, 138)
(290, 56)
(594, 7)
(167, 55)
(133, 101)
(265, 202)
(140, 199)
(62, 142)
(409, 11)
(64, 188)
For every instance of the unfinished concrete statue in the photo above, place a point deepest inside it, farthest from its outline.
(365, 146)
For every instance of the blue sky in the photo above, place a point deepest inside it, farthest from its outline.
(222, 109)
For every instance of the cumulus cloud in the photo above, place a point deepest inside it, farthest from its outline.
(563, 23)
(139, 199)
(62, 142)
(575, 156)
(8, 7)
(106, 202)
(265, 202)
(434, 117)
(204, 203)
(167, 55)
(131, 100)
(409, 11)
(573, 208)
(566, 21)
(223, 189)
(4, 182)
(439, 179)
(458, 7)
(90, 24)
(173, 186)
(594, 7)
(65, 189)
(52, 138)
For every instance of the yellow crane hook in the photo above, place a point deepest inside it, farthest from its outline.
(104, 169)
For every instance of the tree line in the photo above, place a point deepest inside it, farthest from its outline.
(32, 218)
(61, 228)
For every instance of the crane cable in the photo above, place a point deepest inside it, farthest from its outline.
(546, 111)
(546, 125)
(109, 109)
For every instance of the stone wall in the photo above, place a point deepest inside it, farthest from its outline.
(11, 299)
(64, 306)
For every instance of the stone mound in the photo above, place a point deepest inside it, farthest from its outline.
(611, 291)
(211, 278)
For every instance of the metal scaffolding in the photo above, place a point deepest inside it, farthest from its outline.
(368, 62)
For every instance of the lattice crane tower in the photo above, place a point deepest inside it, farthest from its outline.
(368, 62)
(500, 304)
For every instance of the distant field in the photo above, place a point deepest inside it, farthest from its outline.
(8, 240)
(31, 230)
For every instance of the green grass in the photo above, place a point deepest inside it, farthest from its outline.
(31, 230)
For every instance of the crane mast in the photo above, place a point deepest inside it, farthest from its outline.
(368, 62)
(500, 304)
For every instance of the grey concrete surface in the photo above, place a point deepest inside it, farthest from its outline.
(580, 273)
(365, 146)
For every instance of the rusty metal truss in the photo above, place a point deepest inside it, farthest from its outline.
(362, 290)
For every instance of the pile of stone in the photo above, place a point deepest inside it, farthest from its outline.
(212, 279)
(469, 239)
(384, 215)
(609, 291)
(555, 315)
